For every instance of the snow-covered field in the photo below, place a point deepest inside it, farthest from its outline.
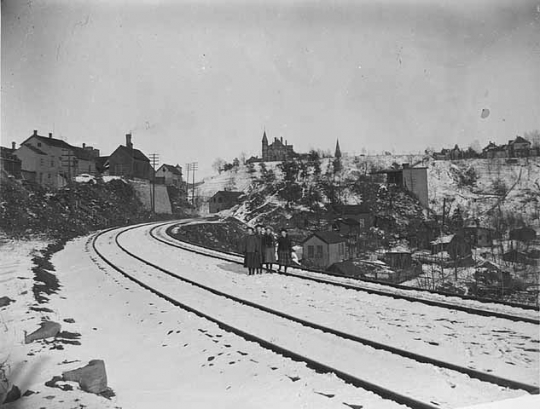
(158, 355)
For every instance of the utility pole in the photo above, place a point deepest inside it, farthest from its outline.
(193, 166)
(154, 159)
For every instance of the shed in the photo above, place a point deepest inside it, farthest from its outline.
(223, 200)
(398, 257)
(323, 249)
(524, 234)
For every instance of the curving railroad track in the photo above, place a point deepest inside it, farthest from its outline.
(204, 299)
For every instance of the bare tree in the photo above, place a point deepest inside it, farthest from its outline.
(218, 165)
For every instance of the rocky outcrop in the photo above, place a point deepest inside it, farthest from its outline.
(48, 329)
(5, 301)
(91, 378)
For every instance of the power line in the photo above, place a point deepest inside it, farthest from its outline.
(193, 166)
(154, 159)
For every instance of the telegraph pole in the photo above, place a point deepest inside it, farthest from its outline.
(193, 166)
(154, 159)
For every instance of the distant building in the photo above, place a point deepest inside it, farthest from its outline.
(223, 200)
(479, 236)
(323, 249)
(128, 162)
(9, 162)
(359, 213)
(412, 179)
(337, 153)
(169, 175)
(277, 150)
(398, 258)
(519, 147)
(53, 162)
(493, 151)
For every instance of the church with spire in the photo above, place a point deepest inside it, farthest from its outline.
(277, 150)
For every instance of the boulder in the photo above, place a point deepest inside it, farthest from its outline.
(13, 395)
(5, 301)
(91, 378)
(48, 329)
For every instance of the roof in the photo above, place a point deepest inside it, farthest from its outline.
(519, 139)
(57, 143)
(134, 153)
(34, 149)
(399, 249)
(229, 195)
(443, 239)
(81, 153)
(348, 221)
(173, 169)
(329, 237)
(351, 209)
(399, 170)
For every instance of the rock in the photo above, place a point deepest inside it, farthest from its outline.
(69, 320)
(91, 378)
(13, 395)
(48, 329)
(29, 392)
(5, 301)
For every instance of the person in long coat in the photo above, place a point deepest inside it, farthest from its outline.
(269, 249)
(259, 231)
(252, 251)
(284, 250)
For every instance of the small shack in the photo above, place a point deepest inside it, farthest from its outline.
(479, 236)
(398, 257)
(323, 249)
(523, 234)
(223, 200)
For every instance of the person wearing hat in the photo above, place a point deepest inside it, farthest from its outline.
(252, 251)
(284, 250)
(269, 249)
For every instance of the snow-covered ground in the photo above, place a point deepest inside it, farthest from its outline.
(158, 355)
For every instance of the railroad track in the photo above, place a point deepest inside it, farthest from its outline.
(358, 286)
(287, 352)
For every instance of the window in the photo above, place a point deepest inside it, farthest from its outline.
(48, 175)
(39, 144)
(41, 161)
(220, 199)
(319, 252)
(310, 251)
(52, 163)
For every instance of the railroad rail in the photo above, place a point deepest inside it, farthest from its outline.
(226, 256)
(381, 391)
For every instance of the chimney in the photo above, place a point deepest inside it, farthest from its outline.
(285, 142)
(50, 135)
(281, 138)
(84, 145)
(35, 132)
(13, 145)
(129, 144)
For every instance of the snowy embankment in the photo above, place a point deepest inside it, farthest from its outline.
(158, 355)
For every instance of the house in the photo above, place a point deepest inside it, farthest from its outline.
(53, 162)
(478, 236)
(323, 249)
(9, 162)
(346, 226)
(398, 258)
(169, 175)
(441, 244)
(519, 147)
(412, 179)
(456, 153)
(516, 256)
(223, 200)
(359, 213)
(493, 151)
(128, 162)
(277, 150)
(524, 234)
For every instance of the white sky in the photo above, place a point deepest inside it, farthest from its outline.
(196, 80)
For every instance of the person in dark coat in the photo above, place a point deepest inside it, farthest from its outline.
(259, 230)
(252, 251)
(284, 250)
(269, 248)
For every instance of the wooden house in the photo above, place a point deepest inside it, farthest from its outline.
(128, 162)
(169, 175)
(398, 258)
(323, 249)
(413, 179)
(478, 236)
(9, 162)
(223, 200)
(519, 147)
(358, 213)
(53, 162)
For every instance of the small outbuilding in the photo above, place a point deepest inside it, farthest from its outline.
(323, 249)
(223, 200)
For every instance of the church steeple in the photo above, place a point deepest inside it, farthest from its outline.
(264, 139)
(337, 154)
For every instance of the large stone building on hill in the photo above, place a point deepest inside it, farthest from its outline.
(277, 150)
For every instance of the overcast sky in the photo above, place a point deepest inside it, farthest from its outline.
(196, 80)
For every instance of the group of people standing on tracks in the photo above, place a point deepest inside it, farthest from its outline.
(259, 249)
